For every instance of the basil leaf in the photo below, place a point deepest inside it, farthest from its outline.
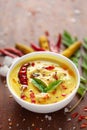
(39, 84)
(53, 85)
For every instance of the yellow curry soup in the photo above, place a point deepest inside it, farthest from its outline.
(42, 81)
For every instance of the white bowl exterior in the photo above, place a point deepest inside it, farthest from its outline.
(48, 107)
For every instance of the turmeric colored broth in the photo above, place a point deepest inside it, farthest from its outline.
(39, 68)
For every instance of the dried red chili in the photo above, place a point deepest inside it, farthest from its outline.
(4, 52)
(14, 50)
(23, 96)
(63, 94)
(47, 33)
(32, 64)
(84, 125)
(49, 67)
(32, 97)
(36, 48)
(55, 47)
(74, 115)
(58, 44)
(81, 117)
(55, 76)
(63, 86)
(22, 75)
(37, 129)
(52, 46)
(85, 109)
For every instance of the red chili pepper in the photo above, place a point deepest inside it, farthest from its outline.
(4, 52)
(33, 64)
(49, 67)
(63, 86)
(81, 117)
(85, 109)
(84, 125)
(32, 97)
(47, 33)
(55, 76)
(59, 42)
(23, 96)
(74, 114)
(86, 117)
(14, 50)
(33, 101)
(0, 64)
(37, 129)
(36, 48)
(26, 64)
(22, 74)
(63, 94)
(53, 47)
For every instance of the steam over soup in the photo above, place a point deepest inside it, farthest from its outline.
(42, 80)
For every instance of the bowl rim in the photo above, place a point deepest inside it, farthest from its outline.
(42, 53)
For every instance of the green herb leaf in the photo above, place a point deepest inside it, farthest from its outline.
(83, 80)
(39, 84)
(67, 39)
(85, 39)
(77, 54)
(84, 56)
(84, 65)
(81, 89)
(75, 60)
(85, 43)
(53, 85)
(67, 35)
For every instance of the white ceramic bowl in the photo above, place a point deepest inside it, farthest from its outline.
(47, 108)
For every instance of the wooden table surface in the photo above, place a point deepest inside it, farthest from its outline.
(24, 21)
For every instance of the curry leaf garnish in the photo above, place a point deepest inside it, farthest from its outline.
(85, 43)
(53, 85)
(43, 87)
(39, 84)
(83, 80)
(81, 89)
(67, 39)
